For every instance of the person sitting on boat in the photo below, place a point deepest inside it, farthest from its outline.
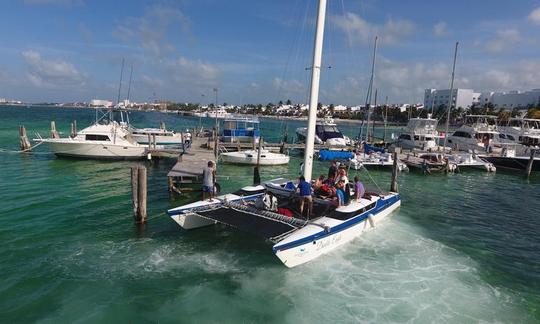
(359, 189)
(304, 188)
(318, 183)
(209, 177)
(332, 171)
(342, 176)
(340, 193)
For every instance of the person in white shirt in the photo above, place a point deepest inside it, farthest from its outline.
(209, 178)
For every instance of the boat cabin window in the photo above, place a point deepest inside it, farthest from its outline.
(510, 137)
(92, 137)
(344, 216)
(502, 136)
(416, 137)
(482, 135)
(462, 134)
(405, 137)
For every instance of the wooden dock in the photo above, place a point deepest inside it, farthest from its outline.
(189, 168)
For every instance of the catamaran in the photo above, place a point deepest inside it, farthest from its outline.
(259, 209)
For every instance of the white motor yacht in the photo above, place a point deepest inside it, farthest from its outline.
(478, 133)
(326, 132)
(105, 139)
(421, 133)
(524, 131)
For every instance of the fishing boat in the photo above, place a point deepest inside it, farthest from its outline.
(252, 157)
(524, 131)
(297, 239)
(105, 139)
(420, 133)
(240, 129)
(326, 132)
(478, 133)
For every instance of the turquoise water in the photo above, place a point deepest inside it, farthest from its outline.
(462, 248)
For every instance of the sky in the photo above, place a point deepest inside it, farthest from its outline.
(260, 51)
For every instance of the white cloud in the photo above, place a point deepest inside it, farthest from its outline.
(43, 73)
(288, 86)
(504, 39)
(440, 29)
(359, 30)
(534, 16)
(150, 31)
(193, 72)
(151, 82)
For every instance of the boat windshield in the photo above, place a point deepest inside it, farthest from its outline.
(328, 131)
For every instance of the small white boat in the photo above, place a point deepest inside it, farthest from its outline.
(99, 141)
(375, 160)
(250, 157)
(470, 161)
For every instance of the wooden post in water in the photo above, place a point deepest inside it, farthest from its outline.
(259, 151)
(394, 185)
(162, 125)
(154, 141)
(54, 133)
(135, 190)
(25, 143)
(530, 164)
(141, 209)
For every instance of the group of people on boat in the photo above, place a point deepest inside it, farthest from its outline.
(335, 186)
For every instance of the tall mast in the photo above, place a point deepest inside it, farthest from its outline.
(119, 90)
(120, 84)
(451, 97)
(129, 84)
(370, 88)
(314, 91)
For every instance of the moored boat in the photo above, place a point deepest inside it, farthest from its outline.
(252, 157)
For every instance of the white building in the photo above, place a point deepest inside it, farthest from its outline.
(463, 98)
(515, 99)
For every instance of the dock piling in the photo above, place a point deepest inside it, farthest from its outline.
(54, 133)
(394, 185)
(25, 143)
(138, 193)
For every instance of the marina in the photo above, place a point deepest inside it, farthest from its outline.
(420, 240)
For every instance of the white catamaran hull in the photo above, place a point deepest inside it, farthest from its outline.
(313, 249)
(98, 150)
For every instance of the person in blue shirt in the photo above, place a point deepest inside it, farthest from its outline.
(340, 193)
(304, 189)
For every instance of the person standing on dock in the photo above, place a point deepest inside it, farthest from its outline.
(209, 177)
